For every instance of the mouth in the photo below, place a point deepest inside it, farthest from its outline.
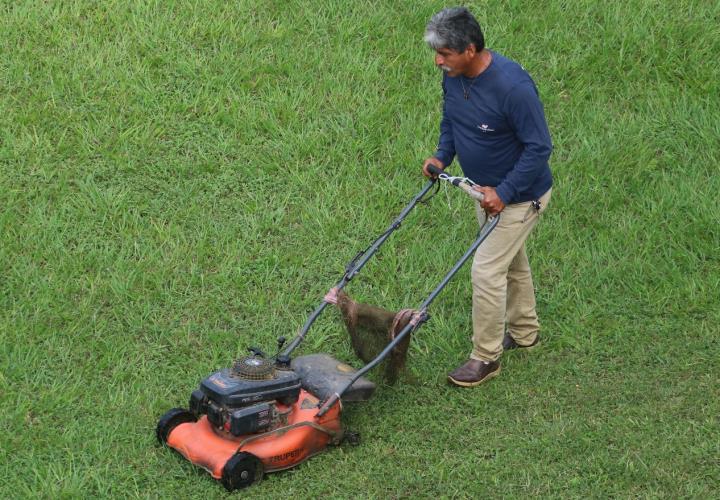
(446, 69)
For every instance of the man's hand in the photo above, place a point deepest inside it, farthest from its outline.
(492, 203)
(431, 161)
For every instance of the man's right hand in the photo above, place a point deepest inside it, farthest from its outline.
(431, 161)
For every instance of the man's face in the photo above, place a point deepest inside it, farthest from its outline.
(452, 62)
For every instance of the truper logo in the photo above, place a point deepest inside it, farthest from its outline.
(485, 128)
(285, 456)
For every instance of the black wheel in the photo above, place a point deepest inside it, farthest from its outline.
(242, 470)
(170, 420)
(351, 437)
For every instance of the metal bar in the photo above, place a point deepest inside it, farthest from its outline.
(484, 232)
(350, 274)
(355, 266)
(415, 323)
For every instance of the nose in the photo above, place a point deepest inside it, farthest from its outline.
(439, 60)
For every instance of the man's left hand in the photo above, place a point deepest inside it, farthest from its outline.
(492, 203)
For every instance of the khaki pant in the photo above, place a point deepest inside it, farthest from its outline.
(502, 282)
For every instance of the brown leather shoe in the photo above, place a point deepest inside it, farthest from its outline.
(510, 344)
(474, 372)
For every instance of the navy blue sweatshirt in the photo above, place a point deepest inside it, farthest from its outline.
(499, 134)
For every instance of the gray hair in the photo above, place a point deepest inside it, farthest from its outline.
(454, 28)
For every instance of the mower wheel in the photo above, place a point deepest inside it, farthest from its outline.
(351, 437)
(170, 420)
(242, 470)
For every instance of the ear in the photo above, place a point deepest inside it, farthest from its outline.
(471, 50)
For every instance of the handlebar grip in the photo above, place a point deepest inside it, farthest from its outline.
(457, 182)
(475, 195)
(434, 170)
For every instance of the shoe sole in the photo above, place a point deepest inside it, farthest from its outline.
(473, 384)
(525, 348)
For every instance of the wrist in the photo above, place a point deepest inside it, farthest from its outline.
(503, 193)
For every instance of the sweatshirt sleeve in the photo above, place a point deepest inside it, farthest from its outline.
(527, 118)
(446, 144)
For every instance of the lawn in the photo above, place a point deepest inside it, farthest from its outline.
(181, 180)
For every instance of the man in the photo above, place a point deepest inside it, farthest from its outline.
(494, 122)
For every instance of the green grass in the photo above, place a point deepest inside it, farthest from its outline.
(181, 180)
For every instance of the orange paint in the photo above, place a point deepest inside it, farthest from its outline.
(284, 447)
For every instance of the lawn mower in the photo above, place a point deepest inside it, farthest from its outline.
(269, 413)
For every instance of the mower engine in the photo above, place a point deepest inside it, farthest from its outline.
(255, 395)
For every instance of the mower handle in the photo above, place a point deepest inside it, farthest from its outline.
(359, 262)
(362, 258)
(435, 170)
(420, 317)
(462, 182)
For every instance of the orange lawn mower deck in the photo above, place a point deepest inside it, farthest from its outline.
(266, 414)
(255, 418)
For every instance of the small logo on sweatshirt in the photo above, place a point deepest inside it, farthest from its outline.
(485, 128)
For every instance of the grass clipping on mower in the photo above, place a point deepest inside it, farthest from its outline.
(372, 328)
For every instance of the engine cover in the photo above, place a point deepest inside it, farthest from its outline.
(230, 391)
(256, 418)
